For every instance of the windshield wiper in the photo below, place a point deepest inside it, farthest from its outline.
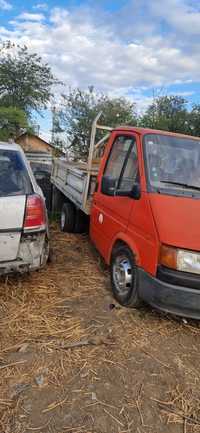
(184, 185)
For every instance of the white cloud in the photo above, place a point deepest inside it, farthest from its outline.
(26, 16)
(179, 14)
(45, 135)
(41, 6)
(145, 48)
(5, 5)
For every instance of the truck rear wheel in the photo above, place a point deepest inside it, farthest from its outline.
(124, 277)
(80, 222)
(67, 218)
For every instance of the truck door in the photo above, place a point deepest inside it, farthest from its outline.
(110, 214)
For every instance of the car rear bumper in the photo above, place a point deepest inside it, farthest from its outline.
(16, 266)
(170, 298)
(30, 255)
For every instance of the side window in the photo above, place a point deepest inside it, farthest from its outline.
(122, 165)
(117, 156)
(130, 171)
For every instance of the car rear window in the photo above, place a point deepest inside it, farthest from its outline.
(14, 177)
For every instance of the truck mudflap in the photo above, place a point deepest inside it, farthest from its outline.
(30, 255)
(170, 298)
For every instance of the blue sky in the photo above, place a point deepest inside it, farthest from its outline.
(132, 48)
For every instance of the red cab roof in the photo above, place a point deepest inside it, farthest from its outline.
(143, 131)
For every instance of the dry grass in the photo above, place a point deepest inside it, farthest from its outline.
(183, 408)
(56, 326)
(35, 311)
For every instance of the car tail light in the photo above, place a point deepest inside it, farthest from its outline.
(35, 216)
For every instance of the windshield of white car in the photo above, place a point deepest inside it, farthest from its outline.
(14, 177)
(172, 162)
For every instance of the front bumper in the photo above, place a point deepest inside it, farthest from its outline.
(170, 298)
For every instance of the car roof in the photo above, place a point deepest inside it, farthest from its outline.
(144, 131)
(10, 146)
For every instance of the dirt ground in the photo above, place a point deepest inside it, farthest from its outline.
(73, 361)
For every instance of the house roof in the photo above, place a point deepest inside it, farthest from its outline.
(36, 136)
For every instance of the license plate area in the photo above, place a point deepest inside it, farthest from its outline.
(9, 246)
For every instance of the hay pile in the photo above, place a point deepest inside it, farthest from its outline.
(68, 363)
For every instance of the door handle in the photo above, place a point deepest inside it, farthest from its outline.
(100, 218)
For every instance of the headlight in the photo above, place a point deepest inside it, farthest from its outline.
(188, 261)
(181, 260)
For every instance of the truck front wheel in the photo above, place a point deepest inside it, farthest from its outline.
(67, 218)
(124, 277)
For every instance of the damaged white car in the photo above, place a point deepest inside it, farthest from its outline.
(24, 235)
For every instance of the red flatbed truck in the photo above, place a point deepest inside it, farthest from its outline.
(143, 201)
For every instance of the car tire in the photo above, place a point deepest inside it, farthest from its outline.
(80, 222)
(124, 277)
(67, 219)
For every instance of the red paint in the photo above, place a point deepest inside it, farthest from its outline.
(35, 212)
(145, 223)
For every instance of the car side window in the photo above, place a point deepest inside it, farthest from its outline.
(122, 165)
(130, 171)
(117, 156)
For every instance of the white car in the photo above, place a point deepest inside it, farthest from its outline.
(24, 235)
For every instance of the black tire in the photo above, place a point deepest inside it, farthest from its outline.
(80, 222)
(67, 218)
(127, 294)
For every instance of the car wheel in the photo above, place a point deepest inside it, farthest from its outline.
(67, 219)
(124, 277)
(80, 222)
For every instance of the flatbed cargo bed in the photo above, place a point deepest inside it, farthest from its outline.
(77, 180)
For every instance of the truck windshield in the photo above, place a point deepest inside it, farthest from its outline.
(172, 162)
(14, 178)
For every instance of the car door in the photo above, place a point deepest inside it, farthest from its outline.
(110, 214)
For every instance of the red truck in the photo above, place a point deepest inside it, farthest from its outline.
(143, 200)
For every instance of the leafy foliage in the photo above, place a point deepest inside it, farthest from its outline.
(12, 122)
(168, 113)
(194, 120)
(81, 107)
(25, 82)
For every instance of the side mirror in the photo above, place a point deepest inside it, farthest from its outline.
(108, 185)
(134, 193)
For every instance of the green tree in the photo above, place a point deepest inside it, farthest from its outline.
(195, 120)
(12, 122)
(25, 81)
(57, 132)
(79, 110)
(168, 113)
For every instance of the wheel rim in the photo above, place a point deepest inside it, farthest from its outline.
(122, 275)
(62, 219)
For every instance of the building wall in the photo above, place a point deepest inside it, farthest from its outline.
(30, 143)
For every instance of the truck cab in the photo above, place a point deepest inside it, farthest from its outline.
(145, 218)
